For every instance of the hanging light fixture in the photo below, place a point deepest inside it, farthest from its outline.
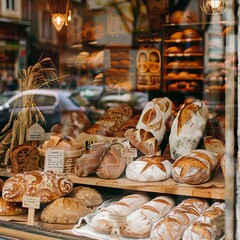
(60, 13)
(213, 6)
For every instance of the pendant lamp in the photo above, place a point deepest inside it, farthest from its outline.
(213, 6)
(60, 13)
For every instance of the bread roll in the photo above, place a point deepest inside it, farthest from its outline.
(187, 128)
(149, 168)
(139, 223)
(173, 225)
(77, 118)
(176, 35)
(154, 117)
(64, 211)
(66, 143)
(174, 49)
(102, 221)
(11, 208)
(112, 164)
(66, 130)
(203, 227)
(193, 49)
(144, 141)
(195, 167)
(47, 185)
(88, 196)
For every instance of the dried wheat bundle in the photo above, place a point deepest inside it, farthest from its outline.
(34, 77)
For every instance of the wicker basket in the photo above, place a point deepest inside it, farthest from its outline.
(69, 159)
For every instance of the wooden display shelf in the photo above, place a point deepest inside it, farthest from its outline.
(214, 188)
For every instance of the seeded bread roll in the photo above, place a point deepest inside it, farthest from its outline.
(195, 167)
(11, 208)
(64, 211)
(149, 168)
(46, 185)
(89, 196)
(187, 128)
(139, 223)
(102, 221)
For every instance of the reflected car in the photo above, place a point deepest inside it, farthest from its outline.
(53, 103)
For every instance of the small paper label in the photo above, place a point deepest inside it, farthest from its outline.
(119, 220)
(31, 202)
(54, 160)
(35, 133)
(129, 152)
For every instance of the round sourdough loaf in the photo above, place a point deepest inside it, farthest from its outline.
(149, 168)
(64, 211)
(195, 167)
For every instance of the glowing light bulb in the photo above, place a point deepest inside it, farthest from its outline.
(58, 20)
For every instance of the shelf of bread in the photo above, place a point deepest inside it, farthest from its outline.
(183, 54)
(212, 189)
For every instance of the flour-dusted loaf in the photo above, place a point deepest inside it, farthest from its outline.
(223, 164)
(203, 228)
(103, 220)
(89, 196)
(173, 225)
(139, 223)
(113, 163)
(144, 141)
(64, 211)
(214, 145)
(154, 117)
(11, 208)
(46, 185)
(1, 184)
(89, 161)
(187, 128)
(195, 167)
(149, 168)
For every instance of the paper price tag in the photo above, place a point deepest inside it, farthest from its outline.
(31, 202)
(54, 160)
(35, 133)
(129, 152)
(118, 219)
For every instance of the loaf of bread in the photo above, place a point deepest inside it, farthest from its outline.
(187, 128)
(174, 49)
(203, 227)
(77, 118)
(131, 123)
(66, 130)
(193, 49)
(144, 141)
(24, 158)
(88, 196)
(139, 223)
(90, 161)
(112, 164)
(46, 185)
(173, 225)
(115, 116)
(190, 33)
(222, 164)
(154, 117)
(64, 211)
(149, 168)
(214, 145)
(103, 220)
(11, 208)
(98, 129)
(66, 143)
(176, 36)
(195, 167)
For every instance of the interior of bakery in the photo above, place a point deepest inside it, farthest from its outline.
(119, 119)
